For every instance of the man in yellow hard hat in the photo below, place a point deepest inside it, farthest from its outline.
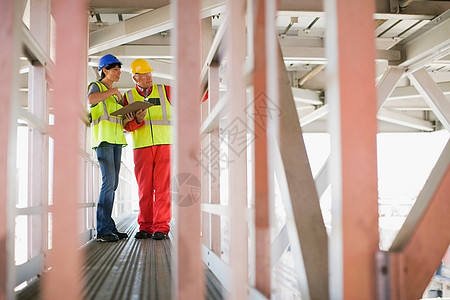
(152, 139)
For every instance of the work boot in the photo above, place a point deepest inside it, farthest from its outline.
(143, 235)
(159, 236)
(110, 237)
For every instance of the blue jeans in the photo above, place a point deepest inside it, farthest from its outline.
(109, 157)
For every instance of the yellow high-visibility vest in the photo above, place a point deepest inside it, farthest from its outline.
(104, 127)
(157, 123)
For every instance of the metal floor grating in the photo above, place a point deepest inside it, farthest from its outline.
(129, 269)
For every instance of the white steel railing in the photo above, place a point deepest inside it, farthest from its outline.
(244, 141)
(30, 174)
(33, 225)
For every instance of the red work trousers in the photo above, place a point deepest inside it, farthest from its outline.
(152, 170)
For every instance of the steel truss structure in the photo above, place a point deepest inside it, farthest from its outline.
(242, 150)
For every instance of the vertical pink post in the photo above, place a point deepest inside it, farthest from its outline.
(188, 267)
(237, 150)
(352, 124)
(7, 161)
(64, 280)
(262, 224)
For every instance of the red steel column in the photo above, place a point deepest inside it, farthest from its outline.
(236, 131)
(431, 230)
(353, 127)
(188, 273)
(64, 280)
(260, 113)
(8, 79)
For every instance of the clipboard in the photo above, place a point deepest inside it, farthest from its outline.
(137, 105)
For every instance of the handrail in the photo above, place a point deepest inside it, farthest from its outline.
(215, 54)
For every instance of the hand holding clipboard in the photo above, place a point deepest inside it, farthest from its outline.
(131, 108)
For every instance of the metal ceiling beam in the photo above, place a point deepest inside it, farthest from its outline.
(432, 95)
(159, 20)
(386, 92)
(426, 7)
(306, 96)
(139, 51)
(383, 115)
(315, 115)
(433, 8)
(144, 25)
(429, 43)
(410, 92)
(316, 41)
(387, 84)
(404, 120)
(317, 54)
(404, 3)
(311, 74)
(130, 30)
(140, 4)
(420, 7)
(411, 104)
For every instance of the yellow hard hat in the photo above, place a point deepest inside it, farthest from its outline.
(140, 66)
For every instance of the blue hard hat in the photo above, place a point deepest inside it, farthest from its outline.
(107, 60)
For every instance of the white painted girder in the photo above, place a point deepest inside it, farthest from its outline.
(404, 120)
(214, 54)
(430, 43)
(33, 121)
(418, 9)
(322, 180)
(383, 115)
(315, 115)
(34, 51)
(387, 84)
(317, 54)
(305, 222)
(410, 92)
(432, 95)
(138, 51)
(144, 25)
(130, 30)
(306, 96)
(407, 104)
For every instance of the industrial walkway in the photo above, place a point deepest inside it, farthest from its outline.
(129, 269)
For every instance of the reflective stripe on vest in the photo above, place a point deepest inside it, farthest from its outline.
(107, 117)
(154, 131)
(106, 128)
